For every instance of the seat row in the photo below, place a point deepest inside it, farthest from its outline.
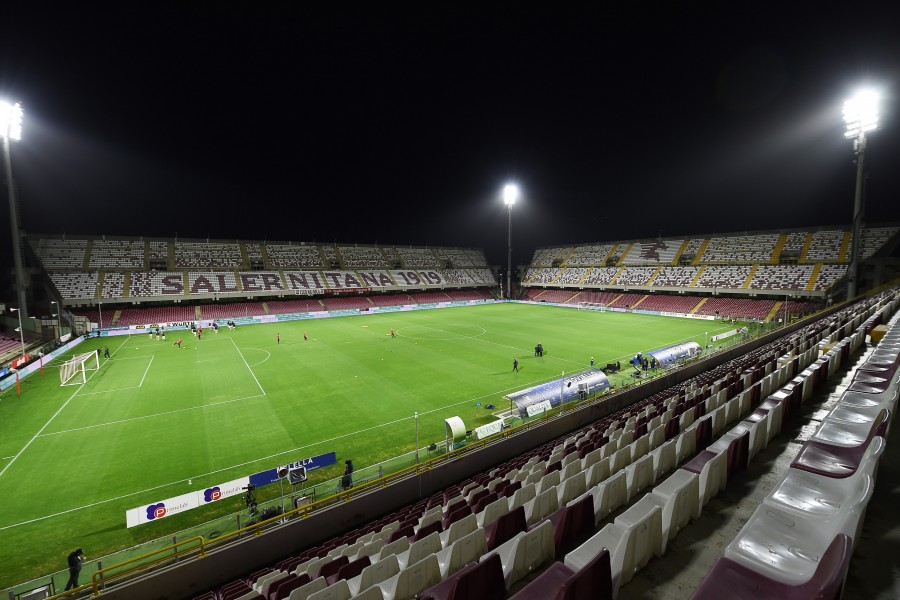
(799, 541)
(494, 532)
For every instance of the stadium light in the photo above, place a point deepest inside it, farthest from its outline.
(11, 129)
(20, 329)
(510, 194)
(860, 117)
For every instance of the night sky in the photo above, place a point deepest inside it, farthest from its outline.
(401, 127)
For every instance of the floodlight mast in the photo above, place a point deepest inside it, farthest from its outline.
(860, 117)
(510, 194)
(11, 129)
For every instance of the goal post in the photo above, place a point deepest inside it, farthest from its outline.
(598, 306)
(74, 371)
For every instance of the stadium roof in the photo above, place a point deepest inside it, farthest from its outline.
(403, 127)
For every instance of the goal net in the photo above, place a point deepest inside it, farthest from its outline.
(74, 371)
(592, 306)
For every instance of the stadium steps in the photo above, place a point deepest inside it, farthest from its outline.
(811, 284)
(845, 246)
(638, 303)
(587, 274)
(652, 277)
(568, 256)
(170, 255)
(697, 276)
(264, 251)
(186, 278)
(245, 257)
(559, 273)
(622, 258)
(779, 246)
(681, 250)
(747, 281)
(699, 304)
(86, 264)
(774, 311)
(806, 244)
(197, 314)
(115, 320)
(98, 290)
(612, 252)
(619, 272)
(126, 285)
(703, 246)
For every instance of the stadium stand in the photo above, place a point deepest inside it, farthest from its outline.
(567, 517)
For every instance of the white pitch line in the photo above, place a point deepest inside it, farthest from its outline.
(147, 370)
(66, 403)
(168, 412)
(248, 366)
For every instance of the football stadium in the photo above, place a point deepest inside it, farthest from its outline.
(213, 407)
(357, 375)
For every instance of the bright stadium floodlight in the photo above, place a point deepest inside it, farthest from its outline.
(510, 194)
(860, 117)
(861, 113)
(11, 129)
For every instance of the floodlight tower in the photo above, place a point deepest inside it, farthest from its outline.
(860, 117)
(11, 129)
(20, 329)
(510, 194)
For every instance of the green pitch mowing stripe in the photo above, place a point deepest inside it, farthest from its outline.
(154, 416)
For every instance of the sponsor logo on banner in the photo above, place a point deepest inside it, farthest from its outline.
(536, 409)
(487, 430)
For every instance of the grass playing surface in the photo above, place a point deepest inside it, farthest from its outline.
(73, 459)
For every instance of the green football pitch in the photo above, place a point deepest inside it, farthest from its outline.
(155, 421)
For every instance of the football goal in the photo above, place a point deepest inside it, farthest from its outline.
(74, 371)
(592, 306)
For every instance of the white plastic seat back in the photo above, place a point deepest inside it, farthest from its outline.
(663, 458)
(678, 498)
(413, 580)
(370, 549)
(460, 528)
(597, 472)
(398, 546)
(305, 591)
(548, 481)
(339, 590)
(640, 447)
(642, 526)
(571, 488)
(375, 573)
(419, 549)
(609, 495)
(541, 506)
(521, 496)
(620, 460)
(639, 475)
(467, 549)
(657, 437)
(571, 469)
(591, 458)
(493, 511)
(685, 446)
(525, 552)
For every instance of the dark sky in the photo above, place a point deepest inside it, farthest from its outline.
(402, 126)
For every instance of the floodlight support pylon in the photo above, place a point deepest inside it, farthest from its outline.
(858, 213)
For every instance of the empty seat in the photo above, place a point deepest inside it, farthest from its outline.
(729, 579)
(492, 512)
(571, 488)
(350, 570)
(525, 552)
(639, 475)
(541, 506)
(663, 459)
(632, 539)
(463, 551)
(420, 549)
(413, 580)
(375, 573)
(459, 529)
(836, 461)
(678, 498)
(712, 470)
(608, 496)
(782, 546)
(506, 527)
(572, 524)
(477, 581)
(560, 582)
(305, 591)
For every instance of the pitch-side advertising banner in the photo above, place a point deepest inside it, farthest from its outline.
(172, 506)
